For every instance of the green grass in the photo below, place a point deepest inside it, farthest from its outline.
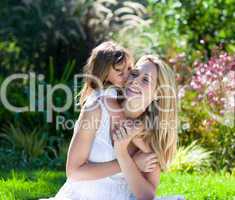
(22, 185)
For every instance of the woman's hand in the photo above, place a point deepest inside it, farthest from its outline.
(123, 135)
(146, 162)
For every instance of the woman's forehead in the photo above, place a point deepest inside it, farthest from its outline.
(147, 68)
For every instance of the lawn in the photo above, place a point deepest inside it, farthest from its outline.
(22, 185)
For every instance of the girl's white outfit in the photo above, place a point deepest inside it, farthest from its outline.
(110, 188)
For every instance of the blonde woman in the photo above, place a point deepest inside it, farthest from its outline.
(150, 95)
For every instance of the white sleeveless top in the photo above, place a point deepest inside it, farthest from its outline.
(110, 188)
(102, 149)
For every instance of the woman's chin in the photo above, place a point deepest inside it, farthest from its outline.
(132, 111)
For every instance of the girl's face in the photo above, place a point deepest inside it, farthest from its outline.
(119, 75)
(140, 88)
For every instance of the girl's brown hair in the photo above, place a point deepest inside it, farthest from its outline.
(103, 57)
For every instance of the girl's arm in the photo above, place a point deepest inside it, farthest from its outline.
(77, 167)
(142, 185)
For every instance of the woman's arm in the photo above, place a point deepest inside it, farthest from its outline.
(78, 167)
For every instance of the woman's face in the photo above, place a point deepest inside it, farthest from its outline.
(140, 88)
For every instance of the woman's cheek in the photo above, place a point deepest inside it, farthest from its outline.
(146, 88)
(148, 91)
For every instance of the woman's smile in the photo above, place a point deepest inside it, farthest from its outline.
(132, 91)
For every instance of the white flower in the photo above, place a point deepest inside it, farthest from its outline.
(185, 126)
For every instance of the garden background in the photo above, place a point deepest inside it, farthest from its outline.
(54, 38)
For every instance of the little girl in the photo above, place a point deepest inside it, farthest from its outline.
(92, 170)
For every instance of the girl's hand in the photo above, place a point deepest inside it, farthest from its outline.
(146, 162)
(123, 135)
(141, 144)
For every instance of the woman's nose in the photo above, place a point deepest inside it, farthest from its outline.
(135, 81)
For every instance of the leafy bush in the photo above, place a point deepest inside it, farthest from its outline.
(64, 30)
(214, 82)
(192, 28)
(233, 172)
(197, 124)
(18, 94)
(192, 158)
(9, 52)
(31, 143)
(52, 37)
(224, 155)
(102, 18)
(40, 29)
(208, 108)
(31, 149)
(194, 25)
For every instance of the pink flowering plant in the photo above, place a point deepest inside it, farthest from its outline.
(214, 81)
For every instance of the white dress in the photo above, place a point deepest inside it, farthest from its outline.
(110, 188)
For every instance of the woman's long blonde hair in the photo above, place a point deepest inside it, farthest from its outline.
(103, 57)
(161, 114)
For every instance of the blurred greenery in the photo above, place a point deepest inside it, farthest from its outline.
(192, 27)
(38, 30)
(63, 30)
(54, 38)
(195, 25)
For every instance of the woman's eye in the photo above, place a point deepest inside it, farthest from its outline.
(133, 74)
(145, 80)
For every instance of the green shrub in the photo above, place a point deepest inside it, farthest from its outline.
(192, 158)
(40, 29)
(193, 28)
(102, 18)
(194, 25)
(31, 142)
(28, 148)
(197, 124)
(64, 30)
